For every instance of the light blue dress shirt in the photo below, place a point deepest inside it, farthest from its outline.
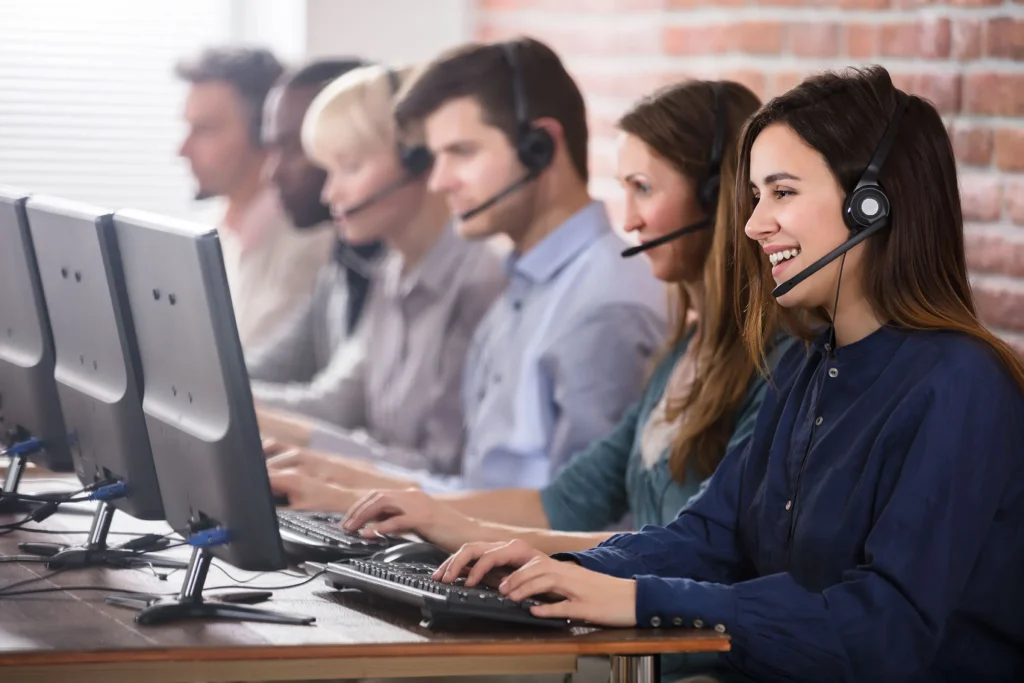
(558, 358)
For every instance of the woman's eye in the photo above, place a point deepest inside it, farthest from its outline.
(779, 194)
(755, 199)
(642, 188)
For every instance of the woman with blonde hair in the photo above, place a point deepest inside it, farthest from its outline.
(395, 398)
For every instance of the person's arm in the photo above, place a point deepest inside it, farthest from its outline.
(885, 619)
(288, 356)
(333, 402)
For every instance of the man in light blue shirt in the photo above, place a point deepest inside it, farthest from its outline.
(565, 349)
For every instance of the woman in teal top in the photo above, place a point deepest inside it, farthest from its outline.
(677, 164)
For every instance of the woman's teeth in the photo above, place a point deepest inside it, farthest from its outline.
(780, 256)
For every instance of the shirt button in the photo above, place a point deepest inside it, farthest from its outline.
(720, 628)
(697, 623)
(789, 505)
(517, 305)
(833, 372)
(677, 621)
(655, 622)
(817, 423)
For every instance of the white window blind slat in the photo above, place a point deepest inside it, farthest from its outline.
(90, 108)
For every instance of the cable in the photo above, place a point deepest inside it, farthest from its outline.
(36, 591)
(106, 589)
(273, 588)
(25, 582)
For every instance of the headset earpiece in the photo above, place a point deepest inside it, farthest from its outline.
(707, 190)
(416, 160)
(534, 145)
(867, 203)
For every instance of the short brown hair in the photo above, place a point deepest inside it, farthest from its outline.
(484, 73)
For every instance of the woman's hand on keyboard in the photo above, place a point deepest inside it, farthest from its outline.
(588, 596)
(398, 511)
(485, 557)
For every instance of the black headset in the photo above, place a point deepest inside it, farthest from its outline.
(711, 183)
(868, 202)
(866, 208)
(415, 160)
(534, 145)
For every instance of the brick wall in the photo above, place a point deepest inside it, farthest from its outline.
(966, 56)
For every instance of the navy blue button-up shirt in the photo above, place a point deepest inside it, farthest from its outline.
(872, 529)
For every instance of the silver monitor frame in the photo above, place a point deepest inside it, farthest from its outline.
(198, 405)
(29, 403)
(97, 369)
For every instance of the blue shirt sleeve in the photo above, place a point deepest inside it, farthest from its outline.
(884, 621)
(597, 372)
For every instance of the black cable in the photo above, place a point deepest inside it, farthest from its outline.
(108, 589)
(272, 588)
(25, 582)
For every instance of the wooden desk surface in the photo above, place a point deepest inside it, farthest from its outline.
(76, 636)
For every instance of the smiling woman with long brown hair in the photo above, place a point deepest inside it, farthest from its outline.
(872, 528)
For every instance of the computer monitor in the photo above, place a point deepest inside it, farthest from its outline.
(199, 411)
(97, 370)
(31, 422)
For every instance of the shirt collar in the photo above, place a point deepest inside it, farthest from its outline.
(883, 342)
(558, 249)
(432, 272)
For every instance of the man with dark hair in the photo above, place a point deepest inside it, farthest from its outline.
(287, 369)
(563, 352)
(271, 266)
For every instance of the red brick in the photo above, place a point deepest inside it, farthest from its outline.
(862, 40)
(994, 94)
(755, 80)
(787, 80)
(814, 40)
(1014, 193)
(1009, 146)
(699, 40)
(761, 37)
(688, 4)
(966, 38)
(573, 6)
(929, 39)
(988, 253)
(1005, 38)
(973, 144)
(942, 90)
(625, 85)
(999, 307)
(602, 41)
(982, 198)
(865, 4)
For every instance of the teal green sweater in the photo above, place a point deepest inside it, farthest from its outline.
(608, 481)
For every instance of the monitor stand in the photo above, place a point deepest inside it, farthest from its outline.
(10, 504)
(95, 551)
(190, 605)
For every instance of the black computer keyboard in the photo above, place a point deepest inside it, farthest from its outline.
(318, 535)
(411, 584)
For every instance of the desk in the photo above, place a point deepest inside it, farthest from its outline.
(75, 636)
